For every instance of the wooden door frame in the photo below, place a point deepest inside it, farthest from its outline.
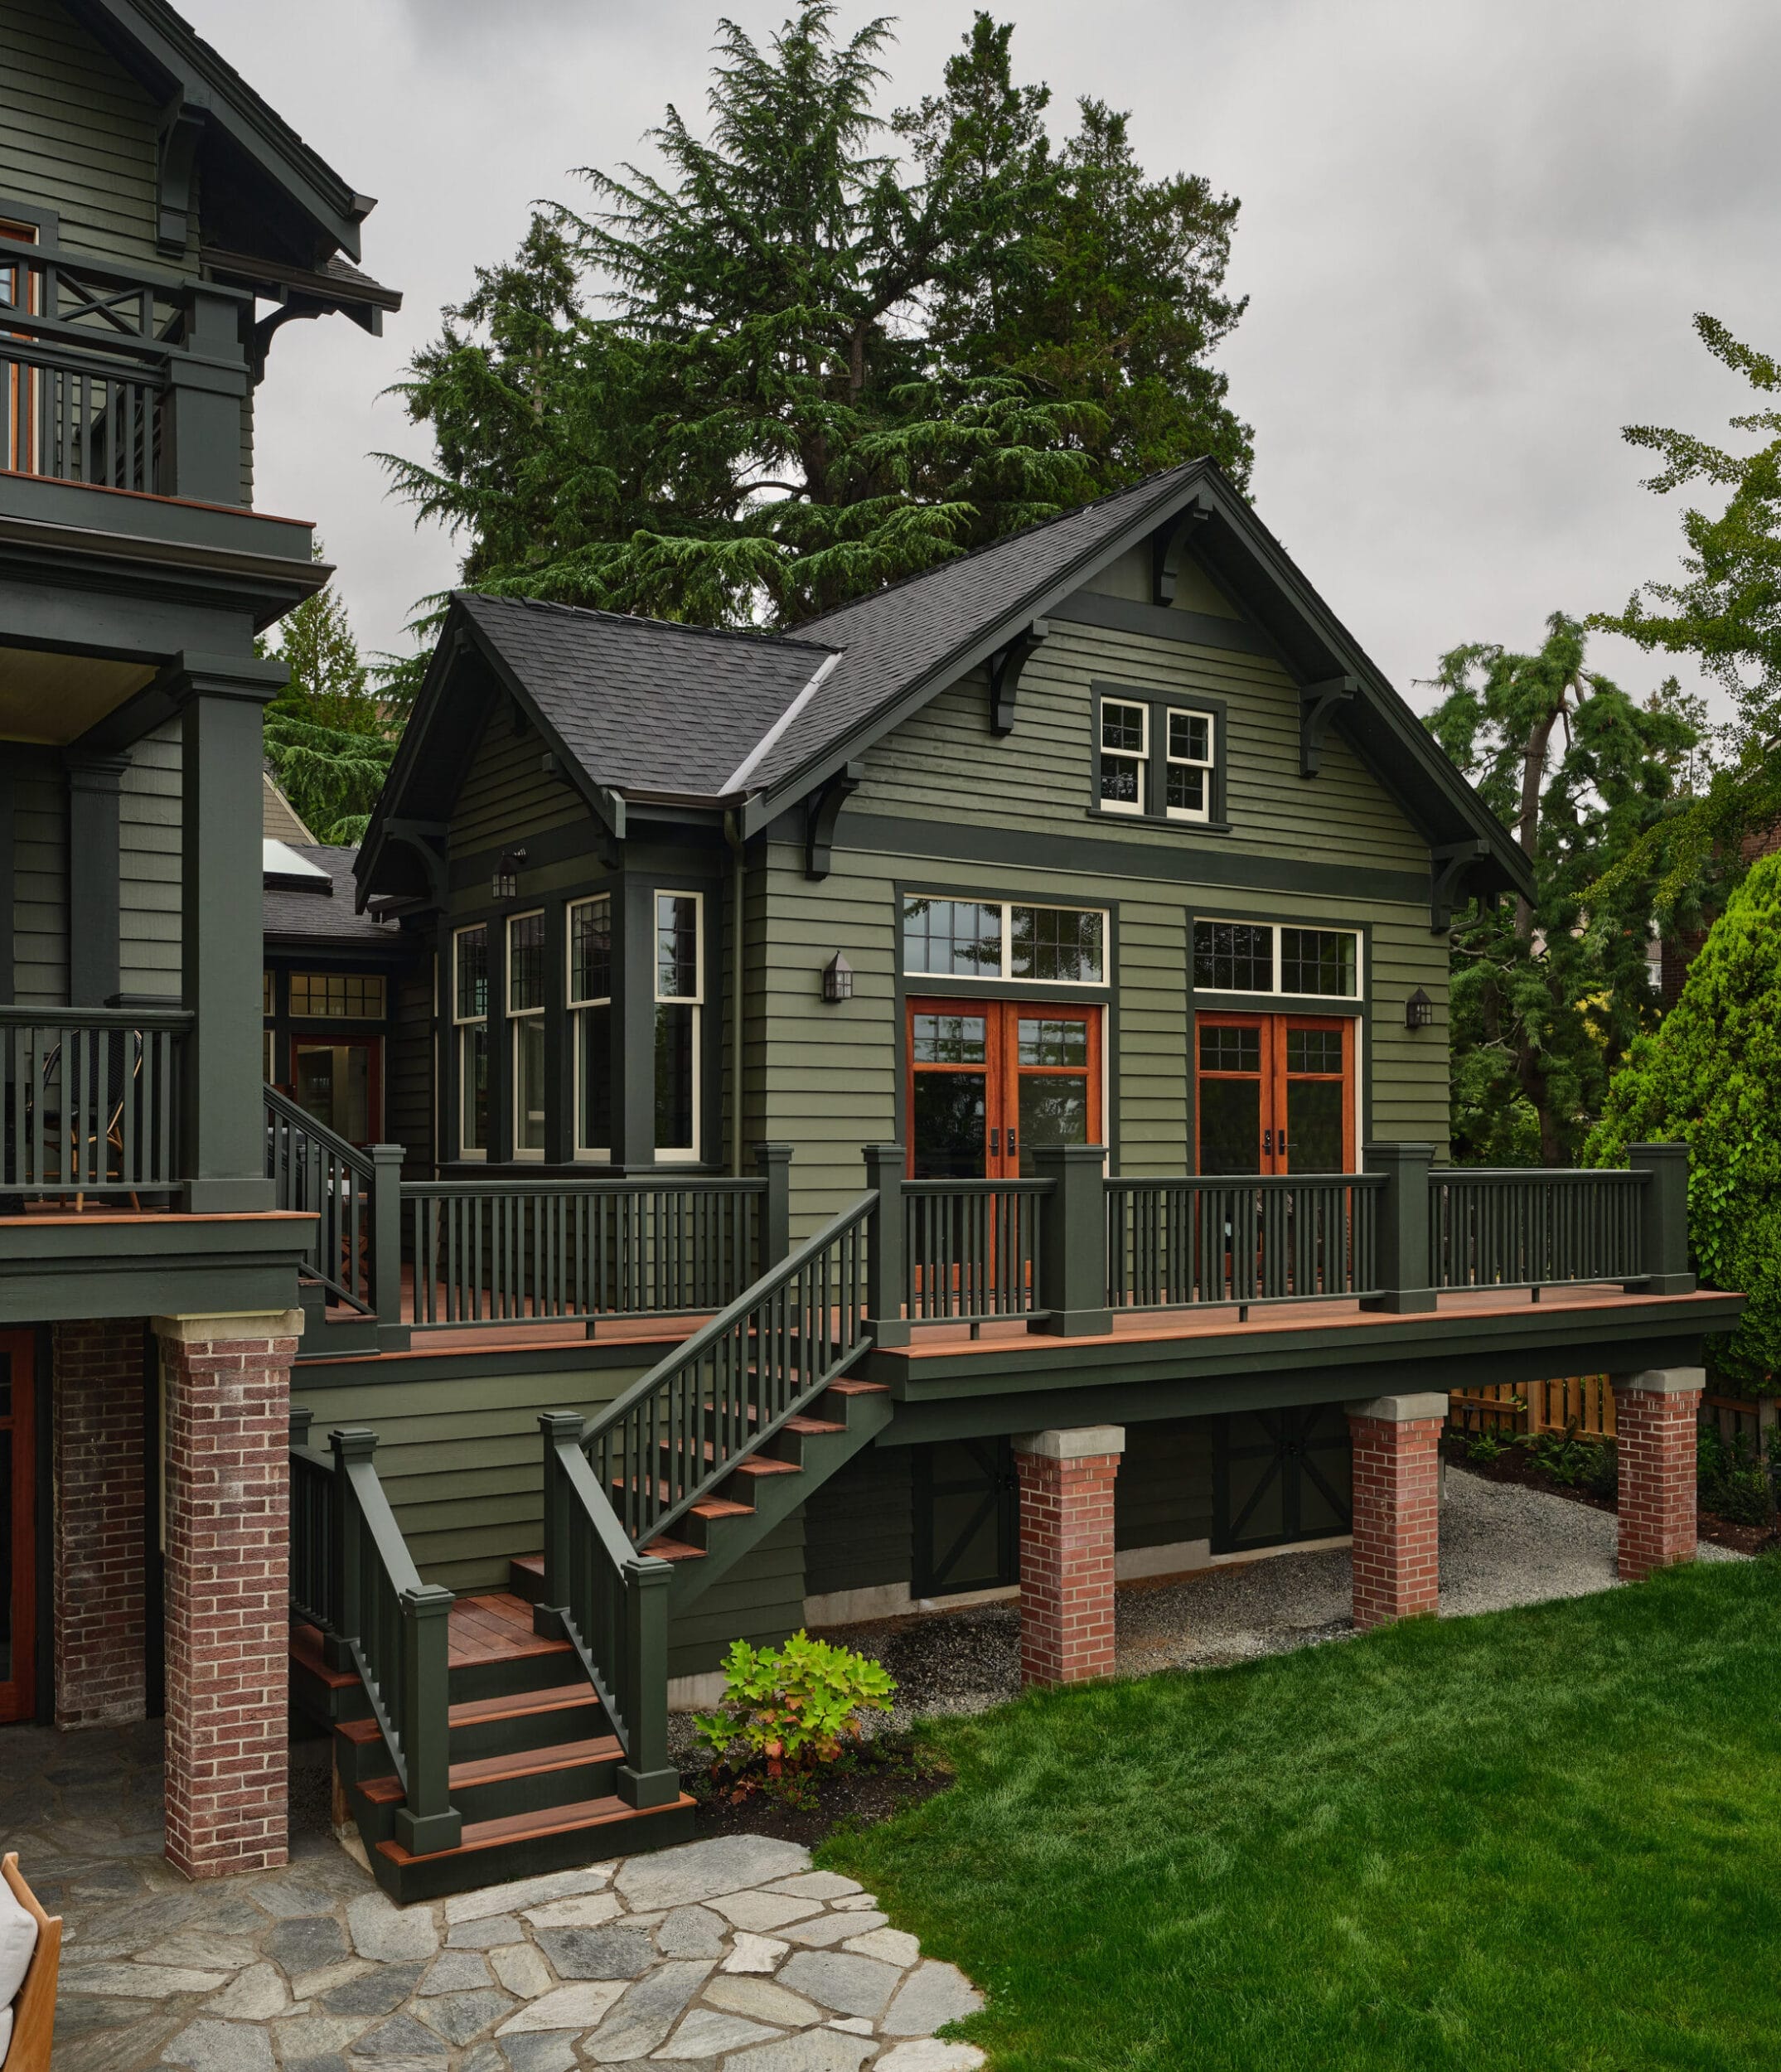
(332, 1039)
(18, 1698)
(1002, 1069)
(1274, 1022)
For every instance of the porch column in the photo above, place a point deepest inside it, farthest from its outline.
(1655, 1441)
(222, 1143)
(95, 787)
(97, 1405)
(226, 1383)
(1066, 1551)
(1396, 1505)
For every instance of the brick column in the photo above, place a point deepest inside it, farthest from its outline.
(1067, 1552)
(1654, 1439)
(98, 1380)
(227, 1384)
(1398, 1481)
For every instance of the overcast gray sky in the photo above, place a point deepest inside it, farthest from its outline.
(1473, 231)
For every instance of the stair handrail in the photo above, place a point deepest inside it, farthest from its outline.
(824, 1277)
(312, 1169)
(397, 1631)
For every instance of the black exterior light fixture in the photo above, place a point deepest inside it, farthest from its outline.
(837, 979)
(1418, 1010)
(507, 870)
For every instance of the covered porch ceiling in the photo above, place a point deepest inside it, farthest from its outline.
(52, 699)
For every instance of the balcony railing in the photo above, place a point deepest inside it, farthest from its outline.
(1531, 1230)
(91, 1104)
(1177, 1244)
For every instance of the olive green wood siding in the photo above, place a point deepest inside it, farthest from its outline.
(760, 1600)
(461, 1458)
(39, 883)
(1164, 1489)
(505, 795)
(148, 866)
(1196, 589)
(859, 1526)
(408, 1075)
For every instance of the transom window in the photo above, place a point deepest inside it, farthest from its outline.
(992, 939)
(526, 1011)
(343, 996)
(1244, 956)
(590, 1000)
(470, 1022)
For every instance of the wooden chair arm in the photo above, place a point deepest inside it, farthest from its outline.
(34, 2011)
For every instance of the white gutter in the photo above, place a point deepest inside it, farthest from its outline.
(757, 754)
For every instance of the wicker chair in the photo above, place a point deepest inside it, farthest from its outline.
(34, 2010)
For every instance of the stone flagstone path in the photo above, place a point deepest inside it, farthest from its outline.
(731, 1955)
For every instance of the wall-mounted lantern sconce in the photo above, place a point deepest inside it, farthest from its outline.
(837, 979)
(1418, 1010)
(506, 884)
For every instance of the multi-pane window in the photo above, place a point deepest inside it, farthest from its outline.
(590, 1000)
(266, 993)
(1242, 956)
(525, 1015)
(470, 1022)
(679, 997)
(1188, 768)
(342, 996)
(962, 938)
(1125, 752)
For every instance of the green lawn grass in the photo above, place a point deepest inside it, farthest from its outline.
(1545, 1838)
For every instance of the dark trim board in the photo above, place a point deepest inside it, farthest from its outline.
(422, 1365)
(120, 1267)
(1164, 623)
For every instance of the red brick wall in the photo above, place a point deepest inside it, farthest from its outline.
(98, 1370)
(1066, 1566)
(1654, 1439)
(1396, 1517)
(228, 1538)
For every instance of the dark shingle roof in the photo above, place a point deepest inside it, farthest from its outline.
(643, 705)
(314, 916)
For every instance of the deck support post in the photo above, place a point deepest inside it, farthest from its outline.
(647, 1778)
(885, 1265)
(1397, 1469)
(1664, 1218)
(1655, 1439)
(1072, 1242)
(1403, 1274)
(1067, 1609)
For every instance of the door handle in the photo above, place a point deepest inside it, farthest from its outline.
(1011, 1148)
(1267, 1144)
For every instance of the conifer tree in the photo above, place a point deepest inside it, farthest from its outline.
(325, 736)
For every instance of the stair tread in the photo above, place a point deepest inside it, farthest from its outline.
(518, 1704)
(759, 1464)
(723, 1508)
(808, 1427)
(491, 1834)
(306, 1650)
(491, 1770)
(667, 1550)
(848, 1387)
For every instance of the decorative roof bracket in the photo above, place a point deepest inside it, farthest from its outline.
(822, 809)
(427, 840)
(1318, 703)
(1448, 865)
(1165, 551)
(1005, 665)
(180, 129)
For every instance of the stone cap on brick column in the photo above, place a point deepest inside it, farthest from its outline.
(1083, 1443)
(228, 1326)
(1399, 1410)
(1662, 1380)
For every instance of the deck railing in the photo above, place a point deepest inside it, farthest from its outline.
(315, 1576)
(1180, 1243)
(319, 1174)
(971, 1249)
(1521, 1229)
(90, 1101)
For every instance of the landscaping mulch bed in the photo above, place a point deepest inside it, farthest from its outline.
(887, 1775)
(1513, 1464)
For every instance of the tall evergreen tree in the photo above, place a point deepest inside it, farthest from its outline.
(823, 348)
(326, 735)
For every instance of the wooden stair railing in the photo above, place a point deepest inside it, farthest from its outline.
(614, 1484)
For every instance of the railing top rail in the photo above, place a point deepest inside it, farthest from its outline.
(1519, 1175)
(926, 1189)
(349, 1154)
(124, 272)
(51, 341)
(386, 1535)
(1275, 1181)
(125, 1018)
(720, 1326)
(598, 1506)
(472, 1190)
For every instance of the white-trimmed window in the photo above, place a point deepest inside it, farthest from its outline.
(1001, 939)
(470, 1022)
(1124, 755)
(679, 1003)
(1303, 964)
(590, 1001)
(1187, 765)
(525, 1015)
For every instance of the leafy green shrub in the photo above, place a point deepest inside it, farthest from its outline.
(1733, 1481)
(786, 1712)
(1484, 1447)
(1589, 1464)
(1711, 1076)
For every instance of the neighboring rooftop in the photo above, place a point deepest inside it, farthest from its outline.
(308, 897)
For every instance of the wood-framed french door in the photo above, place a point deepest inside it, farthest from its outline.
(990, 1082)
(18, 1525)
(1274, 1093)
(339, 1080)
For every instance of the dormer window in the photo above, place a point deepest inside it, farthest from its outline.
(1157, 756)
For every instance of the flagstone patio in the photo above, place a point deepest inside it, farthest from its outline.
(731, 1955)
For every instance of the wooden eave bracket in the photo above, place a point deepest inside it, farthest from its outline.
(1318, 703)
(822, 809)
(1165, 551)
(180, 129)
(1005, 665)
(427, 840)
(1448, 865)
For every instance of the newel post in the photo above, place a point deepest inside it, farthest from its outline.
(887, 1270)
(1403, 1277)
(1072, 1258)
(559, 1428)
(773, 1164)
(1664, 1216)
(646, 1777)
(386, 1246)
(301, 1421)
(348, 1447)
(426, 1821)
